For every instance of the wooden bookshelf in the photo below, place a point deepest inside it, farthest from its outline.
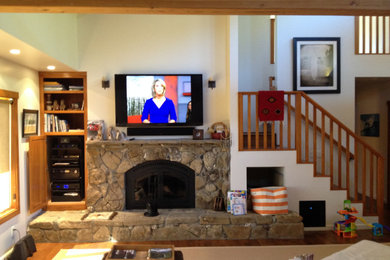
(68, 120)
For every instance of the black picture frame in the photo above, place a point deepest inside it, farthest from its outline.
(369, 125)
(316, 65)
(30, 122)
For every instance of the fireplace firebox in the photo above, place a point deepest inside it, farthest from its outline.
(168, 184)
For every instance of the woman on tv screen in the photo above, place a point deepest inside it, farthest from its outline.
(159, 109)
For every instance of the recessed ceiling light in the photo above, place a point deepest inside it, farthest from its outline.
(14, 51)
(51, 67)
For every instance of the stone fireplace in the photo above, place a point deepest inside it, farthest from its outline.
(112, 164)
(208, 161)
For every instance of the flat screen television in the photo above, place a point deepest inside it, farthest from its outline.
(133, 91)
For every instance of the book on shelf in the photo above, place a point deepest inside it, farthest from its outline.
(61, 164)
(79, 88)
(76, 130)
(52, 86)
(53, 89)
(54, 124)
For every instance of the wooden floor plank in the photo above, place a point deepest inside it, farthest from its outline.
(49, 250)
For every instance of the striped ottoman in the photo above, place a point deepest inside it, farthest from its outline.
(270, 200)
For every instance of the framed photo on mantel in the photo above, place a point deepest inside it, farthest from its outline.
(316, 67)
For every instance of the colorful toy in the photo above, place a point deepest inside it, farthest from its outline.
(347, 227)
(377, 229)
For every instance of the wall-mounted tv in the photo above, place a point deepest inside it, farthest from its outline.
(159, 102)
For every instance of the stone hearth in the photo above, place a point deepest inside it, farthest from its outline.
(175, 224)
(108, 162)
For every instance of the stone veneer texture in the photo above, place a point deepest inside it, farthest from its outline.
(176, 224)
(107, 163)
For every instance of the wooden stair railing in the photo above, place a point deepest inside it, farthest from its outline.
(321, 139)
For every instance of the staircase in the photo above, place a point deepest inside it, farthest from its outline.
(319, 139)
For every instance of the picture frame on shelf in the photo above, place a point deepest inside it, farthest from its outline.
(316, 65)
(30, 122)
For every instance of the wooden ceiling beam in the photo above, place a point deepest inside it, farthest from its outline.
(212, 7)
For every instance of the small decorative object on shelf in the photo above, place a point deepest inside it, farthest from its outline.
(62, 104)
(219, 204)
(197, 134)
(114, 134)
(75, 106)
(95, 130)
(219, 131)
(49, 102)
(56, 106)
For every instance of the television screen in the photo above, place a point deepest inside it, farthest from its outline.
(169, 100)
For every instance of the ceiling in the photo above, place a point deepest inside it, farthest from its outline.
(29, 57)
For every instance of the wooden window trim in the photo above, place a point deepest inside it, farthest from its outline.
(14, 210)
(361, 35)
(272, 40)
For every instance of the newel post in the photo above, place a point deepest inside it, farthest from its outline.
(298, 120)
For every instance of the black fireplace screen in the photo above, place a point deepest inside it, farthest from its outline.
(169, 184)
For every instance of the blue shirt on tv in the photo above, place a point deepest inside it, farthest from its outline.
(159, 115)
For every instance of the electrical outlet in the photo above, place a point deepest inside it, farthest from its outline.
(13, 229)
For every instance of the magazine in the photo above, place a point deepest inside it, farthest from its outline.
(236, 202)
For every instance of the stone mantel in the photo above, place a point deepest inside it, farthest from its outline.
(108, 161)
(159, 141)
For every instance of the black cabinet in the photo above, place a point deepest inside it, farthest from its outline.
(66, 167)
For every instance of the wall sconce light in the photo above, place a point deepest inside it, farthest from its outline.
(105, 83)
(212, 84)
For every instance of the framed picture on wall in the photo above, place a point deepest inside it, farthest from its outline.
(369, 125)
(30, 122)
(316, 65)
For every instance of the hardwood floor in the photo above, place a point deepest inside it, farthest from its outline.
(49, 250)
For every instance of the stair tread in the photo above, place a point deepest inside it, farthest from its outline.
(335, 187)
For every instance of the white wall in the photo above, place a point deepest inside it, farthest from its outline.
(113, 44)
(254, 53)
(24, 81)
(341, 105)
(54, 34)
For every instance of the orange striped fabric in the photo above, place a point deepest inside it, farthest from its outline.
(270, 200)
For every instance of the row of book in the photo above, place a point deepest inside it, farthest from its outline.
(53, 124)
